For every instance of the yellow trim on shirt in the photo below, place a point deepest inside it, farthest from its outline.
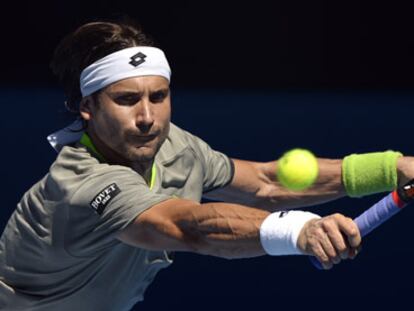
(153, 175)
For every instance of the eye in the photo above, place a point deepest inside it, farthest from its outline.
(158, 96)
(127, 99)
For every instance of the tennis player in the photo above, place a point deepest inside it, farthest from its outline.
(124, 192)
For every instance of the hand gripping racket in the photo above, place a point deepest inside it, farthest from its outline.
(381, 211)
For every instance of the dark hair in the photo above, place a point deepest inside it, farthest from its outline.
(86, 45)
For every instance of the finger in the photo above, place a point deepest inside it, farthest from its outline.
(336, 245)
(322, 257)
(350, 229)
(354, 252)
(328, 248)
(345, 253)
(339, 242)
(316, 249)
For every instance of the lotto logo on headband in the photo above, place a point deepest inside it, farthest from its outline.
(137, 59)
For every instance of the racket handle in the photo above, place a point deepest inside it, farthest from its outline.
(373, 217)
(316, 263)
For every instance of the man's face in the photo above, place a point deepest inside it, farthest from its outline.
(131, 119)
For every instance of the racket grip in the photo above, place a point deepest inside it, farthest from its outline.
(373, 217)
(316, 263)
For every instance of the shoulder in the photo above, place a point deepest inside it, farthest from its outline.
(179, 142)
(75, 169)
(179, 137)
(77, 160)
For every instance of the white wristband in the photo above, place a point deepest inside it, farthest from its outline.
(279, 232)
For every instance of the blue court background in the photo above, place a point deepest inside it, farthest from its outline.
(254, 125)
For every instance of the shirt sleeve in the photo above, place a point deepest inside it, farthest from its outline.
(102, 206)
(218, 168)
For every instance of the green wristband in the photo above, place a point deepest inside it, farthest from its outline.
(369, 173)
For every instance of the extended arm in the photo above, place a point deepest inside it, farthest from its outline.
(233, 231)
(255, 184)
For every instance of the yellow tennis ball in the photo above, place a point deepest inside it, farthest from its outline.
(297, 169)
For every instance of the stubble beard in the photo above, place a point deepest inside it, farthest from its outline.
(146, 153)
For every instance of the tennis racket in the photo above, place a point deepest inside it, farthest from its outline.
(381, 211)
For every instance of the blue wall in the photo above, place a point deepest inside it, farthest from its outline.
(255, 126)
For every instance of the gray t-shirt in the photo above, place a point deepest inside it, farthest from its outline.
(59, 251)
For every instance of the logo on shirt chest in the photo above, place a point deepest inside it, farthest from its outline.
(102, 199)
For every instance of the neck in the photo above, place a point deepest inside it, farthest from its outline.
(111, 157)
(144, 169)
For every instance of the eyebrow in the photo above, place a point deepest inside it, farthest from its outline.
(125, 93)
(137, 93)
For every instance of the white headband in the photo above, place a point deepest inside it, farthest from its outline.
(127, 63)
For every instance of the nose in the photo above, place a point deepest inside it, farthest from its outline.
(144, 117)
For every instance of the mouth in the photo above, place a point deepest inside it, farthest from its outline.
(143, 138)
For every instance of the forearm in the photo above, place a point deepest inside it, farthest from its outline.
(327, 187)
(217, 229)
(226, 230)
(255, 184)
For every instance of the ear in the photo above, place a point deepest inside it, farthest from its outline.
(86, 108)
